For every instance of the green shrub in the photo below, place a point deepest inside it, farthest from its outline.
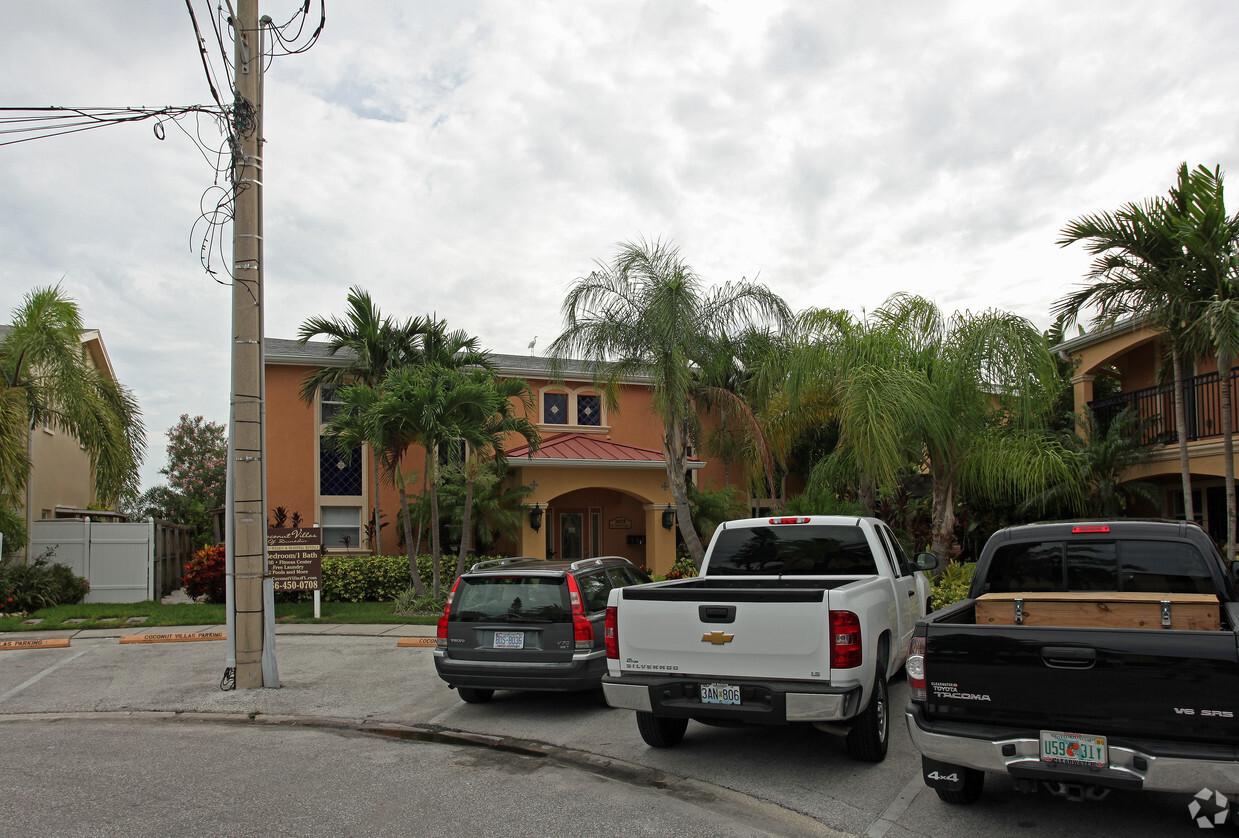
(952, 584)
(205, 574)
(409, 604)
(684, 568)
(29, 587)
(364, 578)
(447, 569)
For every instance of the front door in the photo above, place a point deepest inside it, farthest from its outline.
(571, 536)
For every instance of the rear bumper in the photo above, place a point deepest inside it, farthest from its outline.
(1134, 764)
(762, 702)
(582, 673)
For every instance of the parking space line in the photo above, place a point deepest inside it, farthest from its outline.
(45, 673)
(898, 806)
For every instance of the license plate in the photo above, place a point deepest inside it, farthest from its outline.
(1058, 748)
(509, 640)
(720, 694)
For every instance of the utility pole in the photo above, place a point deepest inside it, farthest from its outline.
(251, 630)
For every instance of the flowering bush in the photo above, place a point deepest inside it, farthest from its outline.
(29, 587)
(684, 568)
(205, 574)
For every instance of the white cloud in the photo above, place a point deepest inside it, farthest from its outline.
(472, 159)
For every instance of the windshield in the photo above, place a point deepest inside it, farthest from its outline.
(511, 599)
(792, 550)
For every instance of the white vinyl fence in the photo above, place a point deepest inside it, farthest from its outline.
(123, 562)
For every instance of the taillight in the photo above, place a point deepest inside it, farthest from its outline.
(582, 631)
(1090, 528)
(915, 668)
(447, 610)
(845, 642)
(610, 633)
(789, 520)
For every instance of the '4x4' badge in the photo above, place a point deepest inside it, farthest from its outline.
(718, 638)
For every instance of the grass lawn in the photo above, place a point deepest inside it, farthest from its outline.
(109, 615)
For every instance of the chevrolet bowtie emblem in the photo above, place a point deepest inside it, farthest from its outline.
(718, 638)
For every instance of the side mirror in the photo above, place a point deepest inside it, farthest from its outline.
(926, 561)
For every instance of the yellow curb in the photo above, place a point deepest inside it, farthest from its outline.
(46, 643)
(173, 638)
(416, 641)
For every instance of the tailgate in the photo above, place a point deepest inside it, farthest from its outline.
(751, 633)
(1128, 682)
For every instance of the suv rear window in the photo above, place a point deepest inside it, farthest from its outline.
(497, 599)
(792, 550)
(1144, 566)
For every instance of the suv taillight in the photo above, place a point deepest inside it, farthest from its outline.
(610, 634)
(447, 610)
(845, 642)
(582, 631)
(915, 668)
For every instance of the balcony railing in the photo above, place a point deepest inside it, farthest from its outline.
(1202, 407)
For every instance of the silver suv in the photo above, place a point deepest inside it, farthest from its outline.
(529, 624)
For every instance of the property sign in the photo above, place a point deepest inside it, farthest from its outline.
(295, 558)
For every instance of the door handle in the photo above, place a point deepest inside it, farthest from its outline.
(1068, 657)
(717, 613)
(911, 593)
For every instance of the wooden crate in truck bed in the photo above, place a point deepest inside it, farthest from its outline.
(1092, 609)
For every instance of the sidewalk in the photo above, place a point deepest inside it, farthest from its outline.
(395, 630)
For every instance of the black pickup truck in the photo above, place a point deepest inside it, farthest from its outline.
(1078, 707)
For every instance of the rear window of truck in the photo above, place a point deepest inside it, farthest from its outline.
(792, 550)
(1145, 566)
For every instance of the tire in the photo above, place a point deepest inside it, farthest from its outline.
(974, 782)
(474, 695)
(660, 731)
(870, 733)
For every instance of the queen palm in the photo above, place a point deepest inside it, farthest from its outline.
(960, 397)
(372, 344)
(647, 315)
(45, 379)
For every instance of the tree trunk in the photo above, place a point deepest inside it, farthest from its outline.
(466, 528)
(436, 551)
(674, 448)
(942, 519)
(408, 536)
(420, 520)
(868, 492)
(1180, 420)
(1228, 450)
(377, 544)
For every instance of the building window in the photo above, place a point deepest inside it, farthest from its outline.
(588, 410)
(582, 409)
(341, 527)
(329, 403)
(338, 474)
(555, 408)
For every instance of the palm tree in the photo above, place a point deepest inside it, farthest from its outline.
(1140, 271)
(434, 407)
(1210, 240)
(960, 397)
(1103, 455)
(647, 315)
(487, 440)
(45, 379)
(373, 345)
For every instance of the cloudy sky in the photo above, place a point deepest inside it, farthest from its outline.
(471, 159)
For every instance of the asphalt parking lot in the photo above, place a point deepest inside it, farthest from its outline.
(785, 780)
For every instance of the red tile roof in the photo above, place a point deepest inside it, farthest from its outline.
(569, 446)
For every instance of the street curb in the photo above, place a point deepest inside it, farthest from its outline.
(764, 817)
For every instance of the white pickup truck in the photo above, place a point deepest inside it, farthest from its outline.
(793, 619)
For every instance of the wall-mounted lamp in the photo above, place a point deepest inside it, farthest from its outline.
(668, 517)
(535, 517)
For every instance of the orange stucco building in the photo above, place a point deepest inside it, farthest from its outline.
(1136, 353)
(599, 481)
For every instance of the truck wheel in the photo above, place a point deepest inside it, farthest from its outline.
(474, 695)
(870, 733)
(660, 731)
(974, 781)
